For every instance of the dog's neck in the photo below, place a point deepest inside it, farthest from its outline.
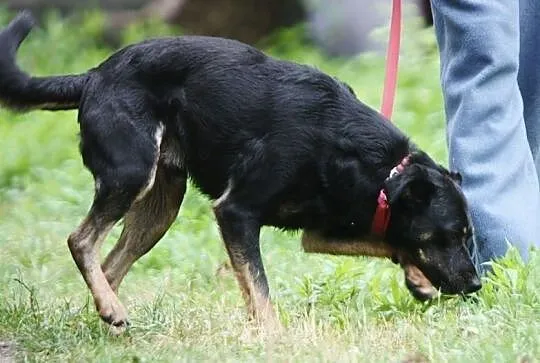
(381, 218)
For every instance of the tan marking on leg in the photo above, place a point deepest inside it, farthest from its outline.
(144, 225)
(312, 242)
(84, 244)
(254, 287)
(259, 305)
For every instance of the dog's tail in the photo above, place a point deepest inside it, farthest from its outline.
(18, 90)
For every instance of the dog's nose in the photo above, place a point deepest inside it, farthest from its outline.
(474, 285)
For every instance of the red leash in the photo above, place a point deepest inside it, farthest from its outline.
(381, 218)
(392, 60)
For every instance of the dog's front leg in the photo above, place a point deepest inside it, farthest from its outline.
(419, 286)
(313, 242)
(240, 232)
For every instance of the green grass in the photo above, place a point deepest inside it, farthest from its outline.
(334, 308)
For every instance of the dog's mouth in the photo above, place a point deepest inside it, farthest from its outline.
(423, 288)
(416, 281)
(418, 284)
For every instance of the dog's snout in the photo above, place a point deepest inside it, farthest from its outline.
(474, 285)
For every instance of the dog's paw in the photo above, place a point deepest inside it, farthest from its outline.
(116, 328)
(119, 329)
(116, 316)
(224, 269)
(267, 330)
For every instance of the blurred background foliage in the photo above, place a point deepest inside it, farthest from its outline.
(339, 26)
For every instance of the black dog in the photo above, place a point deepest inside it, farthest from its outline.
(272, 142)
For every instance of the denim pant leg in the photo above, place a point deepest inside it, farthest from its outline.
(487, 139)
(529, 73)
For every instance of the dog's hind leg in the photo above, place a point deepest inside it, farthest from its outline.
(111, 203)
(84, 244)
(145, 223)
(123, 160)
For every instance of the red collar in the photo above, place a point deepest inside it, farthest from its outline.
(381, 219)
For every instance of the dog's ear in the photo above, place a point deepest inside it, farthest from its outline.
(350, 89)
(413, 188)
(454, 175)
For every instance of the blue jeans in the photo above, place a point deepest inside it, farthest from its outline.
(490, 76)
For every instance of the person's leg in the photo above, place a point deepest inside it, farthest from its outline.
(529, 73)
(479, 48)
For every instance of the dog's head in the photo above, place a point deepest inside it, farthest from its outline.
(430, 227)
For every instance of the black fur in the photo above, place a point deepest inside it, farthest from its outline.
(20, 91)
(295, 147)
